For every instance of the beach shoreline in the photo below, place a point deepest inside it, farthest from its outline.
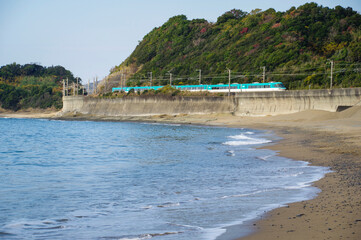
(29, 113)
(321, 138)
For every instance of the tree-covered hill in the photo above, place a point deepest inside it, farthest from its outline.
(32, 86)
(295, 47)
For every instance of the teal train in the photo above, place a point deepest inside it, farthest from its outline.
(234, 87)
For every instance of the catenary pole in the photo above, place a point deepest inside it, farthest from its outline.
(200, 75)
(150, 78)
(264, 73)
(63, 87)
(77, 86)
(67, 86)
(229, 82)
(170, 78)
(331, 74)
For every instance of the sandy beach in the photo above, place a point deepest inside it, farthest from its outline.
(322, 139)
(28, 113)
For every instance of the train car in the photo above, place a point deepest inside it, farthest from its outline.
(262, 87)
(234, 87)
(136, 89)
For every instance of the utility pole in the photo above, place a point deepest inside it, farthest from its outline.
(73, 89)
(264, 73)
(67, 86)
(77, 86)
(331, 74)
(63, 88)
(151, 78)
(121, 79)
(229, 82)
(200, 75)
(170, 78)
(88, 86)
(124, 79)
(96, 85)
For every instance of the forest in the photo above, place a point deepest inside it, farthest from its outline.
(297, 47)
(32, 86)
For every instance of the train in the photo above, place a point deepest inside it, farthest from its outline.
(234, 87)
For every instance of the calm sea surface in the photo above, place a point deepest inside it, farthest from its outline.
(110, 180)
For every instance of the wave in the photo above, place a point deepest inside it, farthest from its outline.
(295, 174)
(252, 193)
(162, 124)
(264, 158)
(298, 187)
(245, 140)
(142, 236)
(249, 133)
(164, 205)
(168, 205)
(147, 207)
(186, 226)
(240, 143)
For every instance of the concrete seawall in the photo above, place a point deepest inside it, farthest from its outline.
(262, 103)
(274, 103)
(147, 105)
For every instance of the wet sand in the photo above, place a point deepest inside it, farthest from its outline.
(321, 138)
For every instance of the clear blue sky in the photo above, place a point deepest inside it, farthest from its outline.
(89, 37)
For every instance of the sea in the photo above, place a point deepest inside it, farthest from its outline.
(121, 180)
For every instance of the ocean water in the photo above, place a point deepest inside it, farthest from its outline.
(113, 180)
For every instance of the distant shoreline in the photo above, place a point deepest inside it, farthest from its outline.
(28, 113)
(319, 137)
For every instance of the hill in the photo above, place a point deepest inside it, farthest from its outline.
(32, 86)
(295, 47)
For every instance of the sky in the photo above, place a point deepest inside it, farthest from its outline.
(89, 37)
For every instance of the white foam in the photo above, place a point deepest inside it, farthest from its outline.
(168, 205)
(187, 226)
(245, 140)
(264, 158)
(130, 238)
(240, 137)
(249, 133)
(239, 195)
(303, 185)
(251, 142)
(295, 174)
(147, 207)
(162, 124)
(250, 194)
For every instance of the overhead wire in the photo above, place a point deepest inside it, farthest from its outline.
(314, 70)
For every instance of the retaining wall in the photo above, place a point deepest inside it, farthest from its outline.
(262, 103)
(273, 103)
(147, 105)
